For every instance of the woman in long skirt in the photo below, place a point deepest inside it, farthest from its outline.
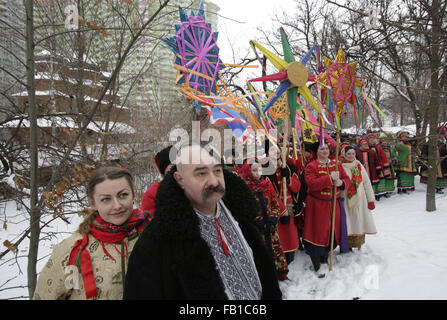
(359, 200)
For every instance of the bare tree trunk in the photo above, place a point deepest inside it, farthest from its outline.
(434, 107)
(34, 210)
(80, 102)
(432, 150)
(401, 114)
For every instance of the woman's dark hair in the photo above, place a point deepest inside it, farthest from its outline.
(316, 145)
(347, 148)
(108, 173)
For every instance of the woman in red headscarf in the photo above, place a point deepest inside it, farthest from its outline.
(370, 161)
(271, 209)
(92, 263)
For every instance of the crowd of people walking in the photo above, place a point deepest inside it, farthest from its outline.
(215, 229)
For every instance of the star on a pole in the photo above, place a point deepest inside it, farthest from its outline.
(340, 77)
(292, 74)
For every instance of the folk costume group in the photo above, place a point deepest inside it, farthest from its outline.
(216, 229)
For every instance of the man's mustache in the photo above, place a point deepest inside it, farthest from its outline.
(209, 191)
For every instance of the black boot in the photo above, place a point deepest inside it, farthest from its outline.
(323, 258)
(439, 191)
(377, 198)
(316, 263)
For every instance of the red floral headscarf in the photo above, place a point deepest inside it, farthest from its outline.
(255, 184)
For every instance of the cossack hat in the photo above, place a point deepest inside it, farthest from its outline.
(442, 128)
(401, 134)
(383, 138)
(363, 140)
(162, 159)
(343, 145)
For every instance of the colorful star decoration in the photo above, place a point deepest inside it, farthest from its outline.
(196, 52)
(292, 74)
(340, 77)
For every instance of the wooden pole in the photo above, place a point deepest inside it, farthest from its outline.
(285, 152)
(334, 199)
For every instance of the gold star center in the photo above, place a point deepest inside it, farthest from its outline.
(297, 74)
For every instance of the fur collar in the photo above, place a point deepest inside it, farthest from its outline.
(175, 219)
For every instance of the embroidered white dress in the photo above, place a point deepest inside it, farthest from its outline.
(359, 219)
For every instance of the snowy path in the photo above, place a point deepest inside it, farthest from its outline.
(406, 259)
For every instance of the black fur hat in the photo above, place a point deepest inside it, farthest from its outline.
(162, 159)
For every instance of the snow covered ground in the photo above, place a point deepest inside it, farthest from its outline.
(410, 128)
(13, 267)
(406, 259)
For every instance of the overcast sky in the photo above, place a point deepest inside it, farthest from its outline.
(239, 19)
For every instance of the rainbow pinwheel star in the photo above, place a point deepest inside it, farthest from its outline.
(196, 52)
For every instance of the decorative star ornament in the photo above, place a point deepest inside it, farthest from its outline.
(292, 74)
(196, 52)
(340, 77)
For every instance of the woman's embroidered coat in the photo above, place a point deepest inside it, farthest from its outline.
(109, 274)
(359, 220)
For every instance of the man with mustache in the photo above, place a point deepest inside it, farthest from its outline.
(202, 242)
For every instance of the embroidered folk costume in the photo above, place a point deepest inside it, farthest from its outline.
(100, 254)
(271, 209)
(391, 155)
(318, 210)
(406, 163)
(441, 159)
(383, 168)
(177, 256)
(369, 160)
(359, 200)
(288, 232)
(232, 254)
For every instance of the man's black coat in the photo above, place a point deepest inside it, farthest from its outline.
(170, 259)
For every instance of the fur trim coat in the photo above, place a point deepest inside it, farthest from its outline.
(172, 261)
(359, 219)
